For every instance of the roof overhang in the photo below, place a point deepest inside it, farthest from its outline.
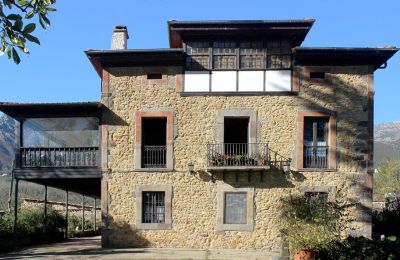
(292, 29)
(101, 59)
(376, 57)
(73, 109)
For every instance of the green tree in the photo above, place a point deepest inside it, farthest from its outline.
(17, 26)
(387, 178)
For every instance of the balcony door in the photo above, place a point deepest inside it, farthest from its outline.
(236, 135)
(154, 142)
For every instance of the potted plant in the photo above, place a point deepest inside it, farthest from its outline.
(310, 223)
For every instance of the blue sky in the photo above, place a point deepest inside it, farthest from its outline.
(58, 70)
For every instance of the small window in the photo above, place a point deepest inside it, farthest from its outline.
(154, 76)
(235, 211)
(317, 75)
(153, 207)
(317, 195)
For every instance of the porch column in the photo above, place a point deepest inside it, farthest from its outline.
(15, 206)
(83, 214)
(45, 210)
(66, 215)
(94, 215)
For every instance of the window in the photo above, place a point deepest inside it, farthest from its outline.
(154, 140)
(154, 76)
(198, 55)
(317, 75)
(153, 207)
(251, 55)
(316, 146)
(315, 142)
(236, 135)
(235, 208)
(321, 196)
(278, 55)
(224, 55)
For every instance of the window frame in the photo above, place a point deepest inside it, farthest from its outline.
(139, 115)
(167, 189)
(332, 162)
(222, 189)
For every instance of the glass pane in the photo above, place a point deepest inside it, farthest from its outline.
(153, 207)
(279, 61)
(224, 47)
(198, 47)
(251, 62)
(61, 132)
(197, 62)
(235, 208)
(224, 62)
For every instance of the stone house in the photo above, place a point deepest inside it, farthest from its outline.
(195, 145)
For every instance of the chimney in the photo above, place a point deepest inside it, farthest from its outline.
(120, 38)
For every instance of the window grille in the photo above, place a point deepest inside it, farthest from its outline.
(153, 207)
(224, 55)
(235, 208)
(198, 55)
(251, 55)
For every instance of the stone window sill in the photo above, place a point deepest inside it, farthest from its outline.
(316, 170)
(154, 170)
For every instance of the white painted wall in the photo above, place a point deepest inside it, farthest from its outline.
(223, 81)
(278, 80)
(197, 81)
(251, 80)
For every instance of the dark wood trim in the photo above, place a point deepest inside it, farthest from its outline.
(57, 173)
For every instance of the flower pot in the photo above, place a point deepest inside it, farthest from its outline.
(304, 254)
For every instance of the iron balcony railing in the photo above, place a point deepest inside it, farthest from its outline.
(244, 154)
(154, 156)
(59, 157)
(316, 156)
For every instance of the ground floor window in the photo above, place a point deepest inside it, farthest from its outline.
(153, 207)
(235, 208)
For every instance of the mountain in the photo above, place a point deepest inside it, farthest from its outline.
(387, 141)
(7, 137)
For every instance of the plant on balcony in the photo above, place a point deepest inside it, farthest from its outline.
(310, 224)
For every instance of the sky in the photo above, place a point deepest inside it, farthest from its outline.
(59, 71)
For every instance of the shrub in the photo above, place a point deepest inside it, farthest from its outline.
(311, 223)
(360, 248)
(387, 221)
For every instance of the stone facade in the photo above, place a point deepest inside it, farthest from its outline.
(346, 91)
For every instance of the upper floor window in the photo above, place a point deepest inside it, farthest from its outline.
(243, 55)
(316, 142)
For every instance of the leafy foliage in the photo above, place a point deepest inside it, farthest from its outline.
(387, 179)
(16, 26)
(310, 223)
(360, 248)
(387, 221)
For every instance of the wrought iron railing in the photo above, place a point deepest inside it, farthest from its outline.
(245, 154)
(59, 157)
(154, 156)
(316, 156)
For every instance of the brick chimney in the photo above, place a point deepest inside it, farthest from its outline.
(119, 40)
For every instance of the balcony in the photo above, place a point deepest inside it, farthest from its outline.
(316, 157)
(59, 157)
(244, 157)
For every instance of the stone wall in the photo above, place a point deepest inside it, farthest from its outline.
(194, 202)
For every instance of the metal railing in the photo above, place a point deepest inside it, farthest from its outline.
(316, 156)
(154, 156)
(237, 154)
(59, 157)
